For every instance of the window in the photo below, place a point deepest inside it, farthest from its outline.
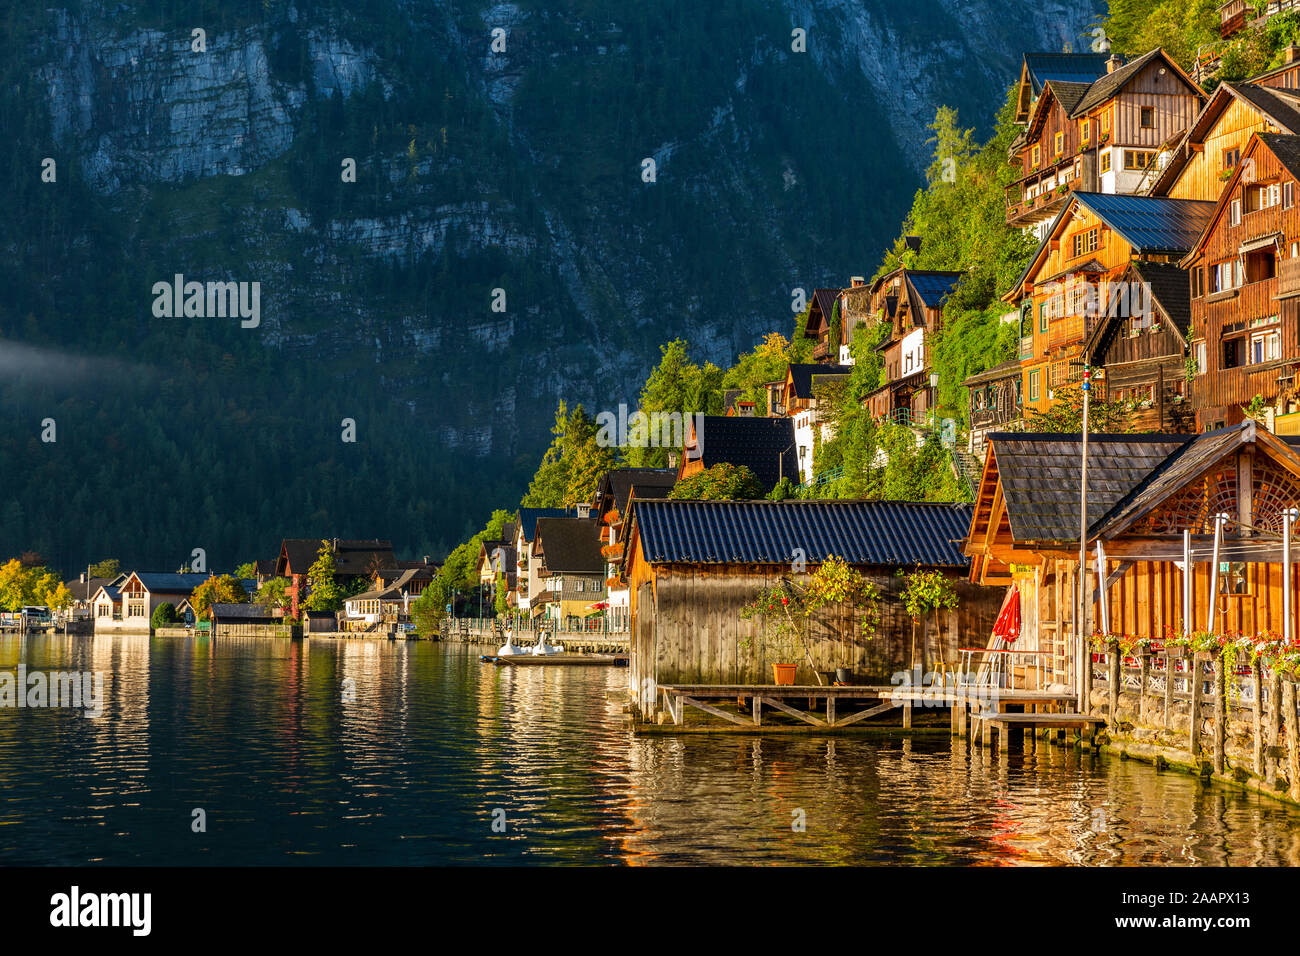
(1148, 117)
(1225, 275)
(1230, 159)
(1105, 122)
(1105, 161)
(1262, 197)
(1234, 353)
(1265, 347)
(1059, 143)
(1261, 265)
(1288, 195)
(1198, 281)
(135, 609)
(1232, 578)
(103, 610)
(580, 585)
(1138, 158)
(1085, 130)
(1043, 314)
(1083, 243)
(1033, 385)
(1234, 213)
(1035, 155)
(1202, 358)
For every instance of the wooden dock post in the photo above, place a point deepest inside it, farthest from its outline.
(1257, 676)
(1113, 675)
(1220, 712)
(1194, 727)
(1292, 738)
(1274, 731)
(986, 733)
(1169, 691)
(1145, 677)
(907, 716)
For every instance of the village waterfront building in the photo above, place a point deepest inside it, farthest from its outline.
(1077, 276)
(693, 565)
(353, 559)
(1245, 282)
(613, 492)
(914, 311)
(128, 605)
(571, 570)
(527, 578)
(765, 445)
(1152, 503)
(1102, 136)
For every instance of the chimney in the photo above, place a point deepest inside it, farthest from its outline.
(1114, 62)
(83, 577)
(426, 559)
(672, 459)
(584, 510)
(855, 281)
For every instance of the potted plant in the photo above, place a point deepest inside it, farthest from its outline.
(785, 612)
(927, 592)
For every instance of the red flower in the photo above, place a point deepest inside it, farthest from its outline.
(785, 601)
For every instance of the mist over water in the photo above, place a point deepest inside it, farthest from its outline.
(256, 733)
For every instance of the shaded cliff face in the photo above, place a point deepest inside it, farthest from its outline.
(496, 146)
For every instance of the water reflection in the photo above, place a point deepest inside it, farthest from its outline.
(397, 753)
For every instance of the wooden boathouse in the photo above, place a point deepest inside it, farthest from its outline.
(691, 567)
(1184, 530)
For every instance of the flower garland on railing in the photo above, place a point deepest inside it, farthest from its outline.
(1267, 648)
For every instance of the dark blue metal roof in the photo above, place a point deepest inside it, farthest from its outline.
(934, 287)
(528, 518)
(1069, 67)
(889, 533)
(163, 582)
(1150, 224)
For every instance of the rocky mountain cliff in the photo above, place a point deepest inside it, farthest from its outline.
(496, 146)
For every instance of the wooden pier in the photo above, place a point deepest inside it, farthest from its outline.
(740, 708)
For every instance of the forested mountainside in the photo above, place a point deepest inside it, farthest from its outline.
(518, 169)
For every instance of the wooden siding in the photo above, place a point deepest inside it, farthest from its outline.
(1174, 108)
(1219, 393)
(1200, 177)
(690, 630)
(1170, 410)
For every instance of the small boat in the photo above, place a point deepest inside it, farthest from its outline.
(510, 648)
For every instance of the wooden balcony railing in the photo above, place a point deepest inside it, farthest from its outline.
(1288, 277)
(1067, 330)
(1239, 386)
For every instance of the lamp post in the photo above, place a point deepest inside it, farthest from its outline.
(1084, 653)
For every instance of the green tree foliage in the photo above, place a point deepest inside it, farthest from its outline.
(108, 568)
(163, 614)
(502, 601)
(324, 592)
(1135, 27)
(676, 385)
(765, 363)
(246, 571)
(1065, 414)
(274, 593)
(572, 465)
(223, 589)
(721, 482)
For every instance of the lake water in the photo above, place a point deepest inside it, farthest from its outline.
(436, 747)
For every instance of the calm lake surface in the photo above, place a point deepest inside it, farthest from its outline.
(257, 734)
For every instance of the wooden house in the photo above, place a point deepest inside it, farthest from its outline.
(821, 310)
(1038, 69)
(1286, 76)
(1100, 137)
(766, 446)
(995, 404)
(528, 581)
(800, 400)
(1140, 358)
(1245, 271)
(1074, 277)
(353, 559)
(615, 488)
(571, 570)
(693, 565)
(1152, 502)
(914, 317)
(1205, 157)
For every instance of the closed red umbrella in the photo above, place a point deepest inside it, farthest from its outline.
(1007, 626)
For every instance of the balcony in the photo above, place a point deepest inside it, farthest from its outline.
(1026, 346)
(1288, 278)
(1232, 17)
(1023, 211)
(1068, 330)
(1239, 386)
